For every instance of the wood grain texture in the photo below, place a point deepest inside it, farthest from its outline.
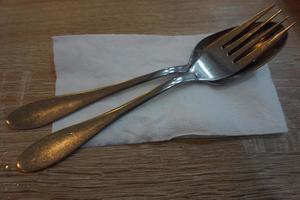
(254, 167)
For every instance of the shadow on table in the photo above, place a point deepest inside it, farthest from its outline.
(196, 139)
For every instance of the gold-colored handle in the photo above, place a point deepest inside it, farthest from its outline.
(45, 111)
(54, 147)
(42, 112)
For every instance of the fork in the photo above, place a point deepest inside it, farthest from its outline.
(227, 56)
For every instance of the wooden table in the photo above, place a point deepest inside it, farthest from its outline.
(256, 167)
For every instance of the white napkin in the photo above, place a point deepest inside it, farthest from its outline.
(245, 107)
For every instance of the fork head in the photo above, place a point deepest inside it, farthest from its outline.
(240, 47)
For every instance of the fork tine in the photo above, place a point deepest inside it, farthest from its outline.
(236, 43)
(260, 50)
(247, 46)
(229, 36)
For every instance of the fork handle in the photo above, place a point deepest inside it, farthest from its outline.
(54, 147)
(42, 112)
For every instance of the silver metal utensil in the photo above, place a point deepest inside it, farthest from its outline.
(216, 58)
(43, 112)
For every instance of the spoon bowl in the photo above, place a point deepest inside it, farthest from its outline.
(200, 52)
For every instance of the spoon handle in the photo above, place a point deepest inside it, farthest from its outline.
(54, 147)
(45, 111)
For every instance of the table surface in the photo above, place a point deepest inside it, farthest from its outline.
(253, 167)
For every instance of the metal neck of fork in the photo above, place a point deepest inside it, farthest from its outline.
(186, 77)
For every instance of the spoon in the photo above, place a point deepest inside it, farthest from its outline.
(45, 111)
(217, 58)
